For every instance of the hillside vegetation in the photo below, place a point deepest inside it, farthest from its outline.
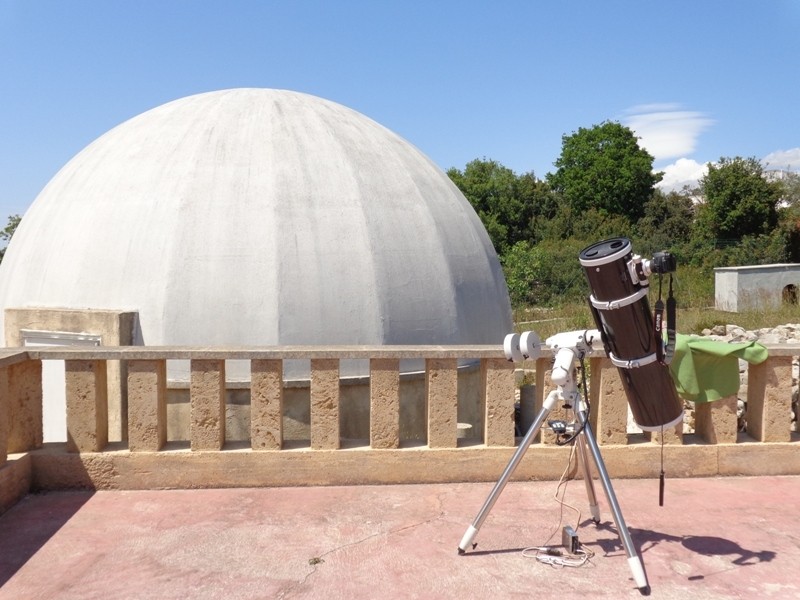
(604, 186)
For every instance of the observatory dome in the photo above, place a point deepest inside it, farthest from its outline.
(260, 217)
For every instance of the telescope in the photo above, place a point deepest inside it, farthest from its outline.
(632, 339)
(631, 336)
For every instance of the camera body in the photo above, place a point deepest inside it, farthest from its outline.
(640, 268)
(663, 262)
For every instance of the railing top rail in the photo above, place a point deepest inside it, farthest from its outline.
(263, 352)
(783, 349)
(11, 356)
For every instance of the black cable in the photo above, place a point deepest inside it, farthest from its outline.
(661, 478)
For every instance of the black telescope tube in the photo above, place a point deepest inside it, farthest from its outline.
(622, 313)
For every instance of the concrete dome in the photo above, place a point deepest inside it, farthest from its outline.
(260, 217)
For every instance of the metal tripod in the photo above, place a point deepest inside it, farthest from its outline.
(568, 394)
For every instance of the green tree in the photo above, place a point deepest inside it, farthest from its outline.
(667, 224)
(544, 202)
(790, 189)
(604, 168)
(738, 200)
(505, 202)
(545, 274)
(521, 267)
(7, 233)
(789, 215)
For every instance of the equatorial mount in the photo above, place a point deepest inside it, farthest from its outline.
(569, 347)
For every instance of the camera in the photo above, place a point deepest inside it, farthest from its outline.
(640, 268)
(663, 262)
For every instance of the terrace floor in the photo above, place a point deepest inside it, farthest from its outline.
(713, 539)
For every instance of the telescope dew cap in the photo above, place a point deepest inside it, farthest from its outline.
(601, 253)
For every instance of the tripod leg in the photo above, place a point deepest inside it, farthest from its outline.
(587, 479)
(634, 562)
(472, 530)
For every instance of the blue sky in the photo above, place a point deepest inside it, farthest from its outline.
(460, 80)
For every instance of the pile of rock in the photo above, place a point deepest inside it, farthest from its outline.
(767, 335)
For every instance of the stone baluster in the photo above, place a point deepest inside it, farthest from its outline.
(207, 404)
(497, 384)
(87, 405)
(609, 405)
(325, 404)
(147, 405)
(716, 422)
(542, 388)
(25, 406)
(5, 415)
(384, 403)
(266, 404)
(441, 391)
(769, 399)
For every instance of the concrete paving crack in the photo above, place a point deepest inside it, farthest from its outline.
(316, 561)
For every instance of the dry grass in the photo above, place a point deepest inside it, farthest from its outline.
(549, 321)
(694, 293)
(694, 320)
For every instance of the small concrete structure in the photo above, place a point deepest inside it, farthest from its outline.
(57, 327)
(757, 286)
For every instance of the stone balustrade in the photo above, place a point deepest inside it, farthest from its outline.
(146, 457)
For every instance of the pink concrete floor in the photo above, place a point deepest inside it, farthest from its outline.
(714, 538)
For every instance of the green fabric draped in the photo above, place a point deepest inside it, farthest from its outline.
(705, 370)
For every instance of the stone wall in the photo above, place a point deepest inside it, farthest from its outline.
(783, 334)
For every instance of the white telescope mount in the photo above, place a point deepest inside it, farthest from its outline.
(569, 348)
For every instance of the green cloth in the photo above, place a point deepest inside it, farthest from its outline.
(706, 370)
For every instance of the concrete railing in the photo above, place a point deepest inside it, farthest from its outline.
(147, 458)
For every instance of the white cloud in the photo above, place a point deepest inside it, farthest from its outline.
(666, 130)
(682, 172)
(686, 171)
(783, 159)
